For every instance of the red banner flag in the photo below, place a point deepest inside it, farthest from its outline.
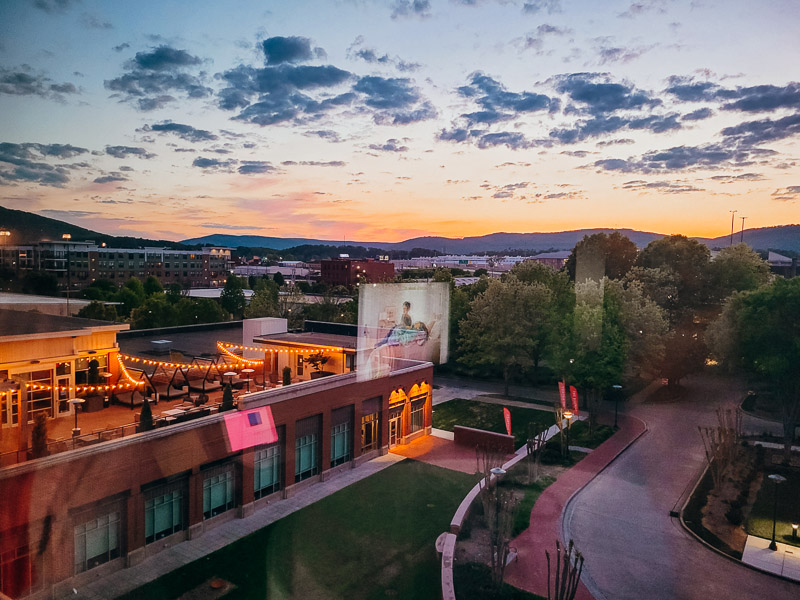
(562, 390)
(507, 417)
(573, 394)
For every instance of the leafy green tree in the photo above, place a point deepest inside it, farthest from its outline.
(287, 376)
(154, 312)
(128, 301)
(232, 297)
(736, 269)
(262, 304)
(100, 289)
(41, 283)
(507, 327)
(227, 398)
(192, 311)
(442, 275)
(303, 286)
(601, 255)
(765, 340)
(146, 417)
(137, 287)
(98, 310)
(152, 286)
(174, 293)
(278, 278)
(480, 272)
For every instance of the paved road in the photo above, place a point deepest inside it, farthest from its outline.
(621, 521)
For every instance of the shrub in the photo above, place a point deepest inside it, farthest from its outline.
(39, 435)
(735, 515)
(287, 375)
(227, 398)
(146, 418)
(551, 456)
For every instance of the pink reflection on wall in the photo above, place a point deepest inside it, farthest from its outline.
(250, 428)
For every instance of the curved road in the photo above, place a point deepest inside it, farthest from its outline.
(621, 522)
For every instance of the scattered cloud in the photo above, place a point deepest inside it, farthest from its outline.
(411, 8)
(23, 163)
(735, 178)
(110, 178)
(372, 56)
(752, 133)
(53, 6)
(279, 50)
(641, 7)
(395, 100)
(253, 167)
(23, 81)
(607, 52)
(535, 39)
(213, 163)
(121, 47)
(326, 134)
(185, 132)
(314, 163)
(391, 145)
(93, 22)
(787, 194)
(663, 187)
(708, 156)
(533, 7)
(152, 77)
(126, 151)
(698, 115)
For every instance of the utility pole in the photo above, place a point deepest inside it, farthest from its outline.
(733, 214)
(741, 239)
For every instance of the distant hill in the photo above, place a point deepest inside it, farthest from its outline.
(784, 237)
(29, 228)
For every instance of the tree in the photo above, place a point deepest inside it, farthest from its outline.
(499, 508)
(507, 327)
(39, 435)
(191, 311)
(765, 340)
(128, 301)
(146, 417)
(278, 278)
(689, 261)
(93, 375)
(601, 255)
(316, 360)
(262, 304)
(232, 297)
(152, 286)
(227, 398)
(287, 376)
(735, 269)
(41, 283)
(137, 287)
(99, 311)
(441, 274)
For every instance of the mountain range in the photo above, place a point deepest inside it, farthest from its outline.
(27, 227)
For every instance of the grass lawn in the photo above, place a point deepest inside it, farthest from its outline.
(373, 539)
(477, 578)
(760, 521)
(579, 434)
(489, 417)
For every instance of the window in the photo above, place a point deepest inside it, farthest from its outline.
(340, 444)
(97, 540)
(82, 367)
(218, 491)
(39, 400)
(305, 458)
(370, 437)
(20, 571)
(163, 511)
(299, 365)
(417, 415)
(341, 435)
(267, 470)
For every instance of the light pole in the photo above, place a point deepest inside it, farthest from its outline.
(777, 480)
(733, 214)
(617, 391)
(568, 414)
(741, 239)
(76, 402)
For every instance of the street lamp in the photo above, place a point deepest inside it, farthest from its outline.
(617, 391)
(76, 402)
(777, 480)
(794, 530)
(568, 414)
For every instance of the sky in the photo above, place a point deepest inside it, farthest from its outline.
(382, 120)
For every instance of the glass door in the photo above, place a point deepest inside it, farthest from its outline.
(394, 432)
(63, 395)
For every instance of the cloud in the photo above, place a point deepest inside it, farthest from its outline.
(752, 133)
(697, 115)
(121, 47)
(787, 194)
(252, 167)
(391, 145)
(153, 76)
(395, 100)
(326, 134)
(735, 178)
(110, 179)
(616, 142)
(125, 151)
(24, 82)
(533, 7)
(315, 163)
(664, 187)
(603, 125)
(164, 58)
(22, 163)
(93, 22)
(370, 55)
(228, 227)
(213, 163)
(508, 190)
(279, 50)
(644, 6)
(757, 98)
(53, 6)
(535, 39)
(411, 8)
(608, 53)
(185, 132)
(708, 156)
(597, 94)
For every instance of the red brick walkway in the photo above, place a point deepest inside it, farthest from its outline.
(529, 572)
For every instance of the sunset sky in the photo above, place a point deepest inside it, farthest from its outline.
(381, 120)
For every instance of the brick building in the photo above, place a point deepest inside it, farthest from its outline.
(349, 272)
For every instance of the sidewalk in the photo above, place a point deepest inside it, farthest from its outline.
(126, 580)
(785, 561)
(529, 571)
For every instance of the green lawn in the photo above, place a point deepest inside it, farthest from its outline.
(477, 579)
(373, 539)
(482, 415)
(760, 521)
(579, 434)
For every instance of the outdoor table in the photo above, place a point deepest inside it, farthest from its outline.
(174, 412)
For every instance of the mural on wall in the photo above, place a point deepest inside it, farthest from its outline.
(400, 325)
